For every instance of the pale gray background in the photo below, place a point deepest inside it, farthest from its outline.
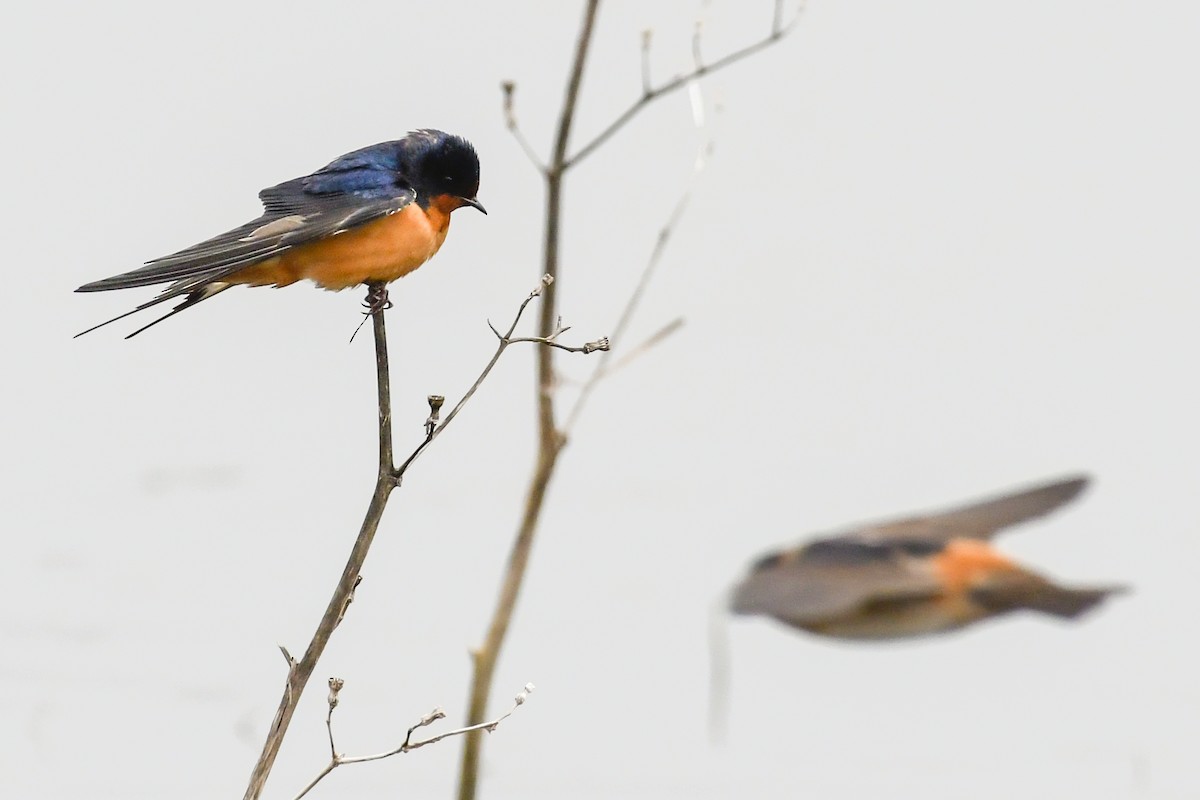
(943, 249)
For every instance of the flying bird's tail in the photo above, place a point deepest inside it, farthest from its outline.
(1068, 603)
(1035, 593)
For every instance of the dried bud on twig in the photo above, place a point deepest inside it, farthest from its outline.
(335, 686)
(436, 401)
(523, 695)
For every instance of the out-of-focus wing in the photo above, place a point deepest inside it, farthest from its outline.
(979, 520)
(831, 578)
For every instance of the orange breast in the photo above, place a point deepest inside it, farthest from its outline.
(383, 250)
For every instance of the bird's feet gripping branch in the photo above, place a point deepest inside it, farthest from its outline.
(369, 217)
(377, 299)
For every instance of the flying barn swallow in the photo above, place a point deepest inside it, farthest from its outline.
(914, 576)
(370, 216)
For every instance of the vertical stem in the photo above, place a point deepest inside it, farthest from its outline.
(300, 671)
(484, 659)
(550, 440)
(387, 464)
(554, 181)
(548, 317)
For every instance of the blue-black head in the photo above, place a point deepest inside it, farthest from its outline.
(441, 164)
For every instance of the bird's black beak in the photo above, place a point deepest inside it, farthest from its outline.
(473, 203)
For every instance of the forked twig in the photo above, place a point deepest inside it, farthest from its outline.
(388, 477)
(336, 759)
(510, 120)
(434, 429)
(649, 95)
(604, 367)
(551, 438)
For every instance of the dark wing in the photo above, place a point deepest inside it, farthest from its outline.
(198, 271)
(980, 520)
(293, 217)
(353, 190)
(831, 578)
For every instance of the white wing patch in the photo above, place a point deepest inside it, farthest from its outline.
(277, 227)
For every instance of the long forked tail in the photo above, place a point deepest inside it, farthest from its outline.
(1024, 589)
(193, 297)
(1069, 603)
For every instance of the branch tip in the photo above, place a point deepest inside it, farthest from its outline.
(431, 717)
(287, 656)
(436, 401)
(335, 686)
(647, 83)
(523, 695)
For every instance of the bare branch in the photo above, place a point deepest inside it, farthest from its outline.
(647, 38)
(632, 354)
(509, 88)
(777, 21)
(504, 341)
(587, 347)
(551, 438)
(778, 31)
(335, 686)
(300, 671)
(387, 479)
(291, 662)
(408, 745)
(603, 368)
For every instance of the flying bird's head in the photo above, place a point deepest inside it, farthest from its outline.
(441, 165)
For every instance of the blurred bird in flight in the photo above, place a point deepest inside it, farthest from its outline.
(370, 216)
(914, 576)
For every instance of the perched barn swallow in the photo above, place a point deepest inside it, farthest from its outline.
(914, 576)
(371, 216)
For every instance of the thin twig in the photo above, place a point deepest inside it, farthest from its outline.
(777, 32)
(586, 347)
(300, 671)
(603, 367)
(387, 478)
(434, 429)
(551, 438)
(509, 88)
(408, 745)
(628, 356)
(550, 441)
(647, 83)
(335, 686)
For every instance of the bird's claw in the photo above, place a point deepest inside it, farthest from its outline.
(377, 300)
